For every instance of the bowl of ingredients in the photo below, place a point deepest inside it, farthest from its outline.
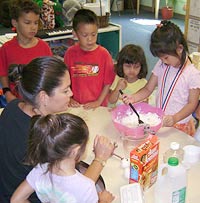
(126, 121)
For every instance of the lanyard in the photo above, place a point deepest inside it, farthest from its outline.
(164, 100)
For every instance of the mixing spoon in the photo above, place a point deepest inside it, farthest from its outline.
(133, 108)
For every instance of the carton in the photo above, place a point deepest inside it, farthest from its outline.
(144, 162)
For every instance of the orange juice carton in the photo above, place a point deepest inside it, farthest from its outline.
(144, 162)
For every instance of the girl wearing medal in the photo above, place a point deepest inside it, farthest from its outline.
(176, 78)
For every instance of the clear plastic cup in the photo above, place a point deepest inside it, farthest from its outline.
(129, 143)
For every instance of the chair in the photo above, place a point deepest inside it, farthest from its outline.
(155, 7)
(100, 184)
(117, 3)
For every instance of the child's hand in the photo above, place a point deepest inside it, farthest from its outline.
(127, 99)
(105, 197)
(74, 103)
(168, 121)
(122, 84)
(91, 105)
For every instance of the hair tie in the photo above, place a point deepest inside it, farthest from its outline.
(20, 68)
(14, 29)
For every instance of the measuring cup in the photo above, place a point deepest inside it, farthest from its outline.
(191, 154)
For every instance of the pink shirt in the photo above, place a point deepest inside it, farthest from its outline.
(189, 79)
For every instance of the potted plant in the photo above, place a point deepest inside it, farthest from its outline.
(167, 11)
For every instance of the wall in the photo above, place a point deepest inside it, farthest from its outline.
(178, 6)
(192, 26)
(106, 2)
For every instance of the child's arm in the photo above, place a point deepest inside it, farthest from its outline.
(197, 112)
(4, 81)
(143, 93)
(22, 193)
(98, 102)
(114, 94)
(74, 103)
(188, 109)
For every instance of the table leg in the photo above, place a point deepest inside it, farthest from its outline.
(157, 3)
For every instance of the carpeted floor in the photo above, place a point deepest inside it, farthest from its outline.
(145, 22)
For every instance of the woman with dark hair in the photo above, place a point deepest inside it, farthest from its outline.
(44, 85)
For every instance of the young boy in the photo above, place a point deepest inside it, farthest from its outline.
(25, 46)
(90, 65)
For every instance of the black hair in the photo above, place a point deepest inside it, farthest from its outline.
(18, 7)
(131, 54)
(85, 16)
(44, 73)
(52, 137)
(166, 38)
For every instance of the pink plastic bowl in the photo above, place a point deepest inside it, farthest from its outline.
(121, 111)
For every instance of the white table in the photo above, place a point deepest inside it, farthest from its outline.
(99, 122)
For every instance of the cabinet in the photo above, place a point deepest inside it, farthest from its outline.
(109, 37)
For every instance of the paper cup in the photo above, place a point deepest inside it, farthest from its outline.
(191, 154)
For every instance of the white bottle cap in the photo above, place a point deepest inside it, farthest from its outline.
(174, 145)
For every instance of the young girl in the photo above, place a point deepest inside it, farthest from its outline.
(177, 79)
(131, 70)
(56, 144)
(25, 46)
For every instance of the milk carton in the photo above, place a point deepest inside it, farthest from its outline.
(144, 162)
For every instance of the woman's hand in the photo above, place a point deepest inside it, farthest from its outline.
(105, 197)
(103, 147)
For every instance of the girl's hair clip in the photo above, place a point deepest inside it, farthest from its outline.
(14, 29)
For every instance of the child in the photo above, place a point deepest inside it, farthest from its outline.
(56, 144)
(177, 79)
(90, 65)
(25, 46)
(131, 70)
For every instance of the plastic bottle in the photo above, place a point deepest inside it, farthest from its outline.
(171, 187)
(174, 151)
